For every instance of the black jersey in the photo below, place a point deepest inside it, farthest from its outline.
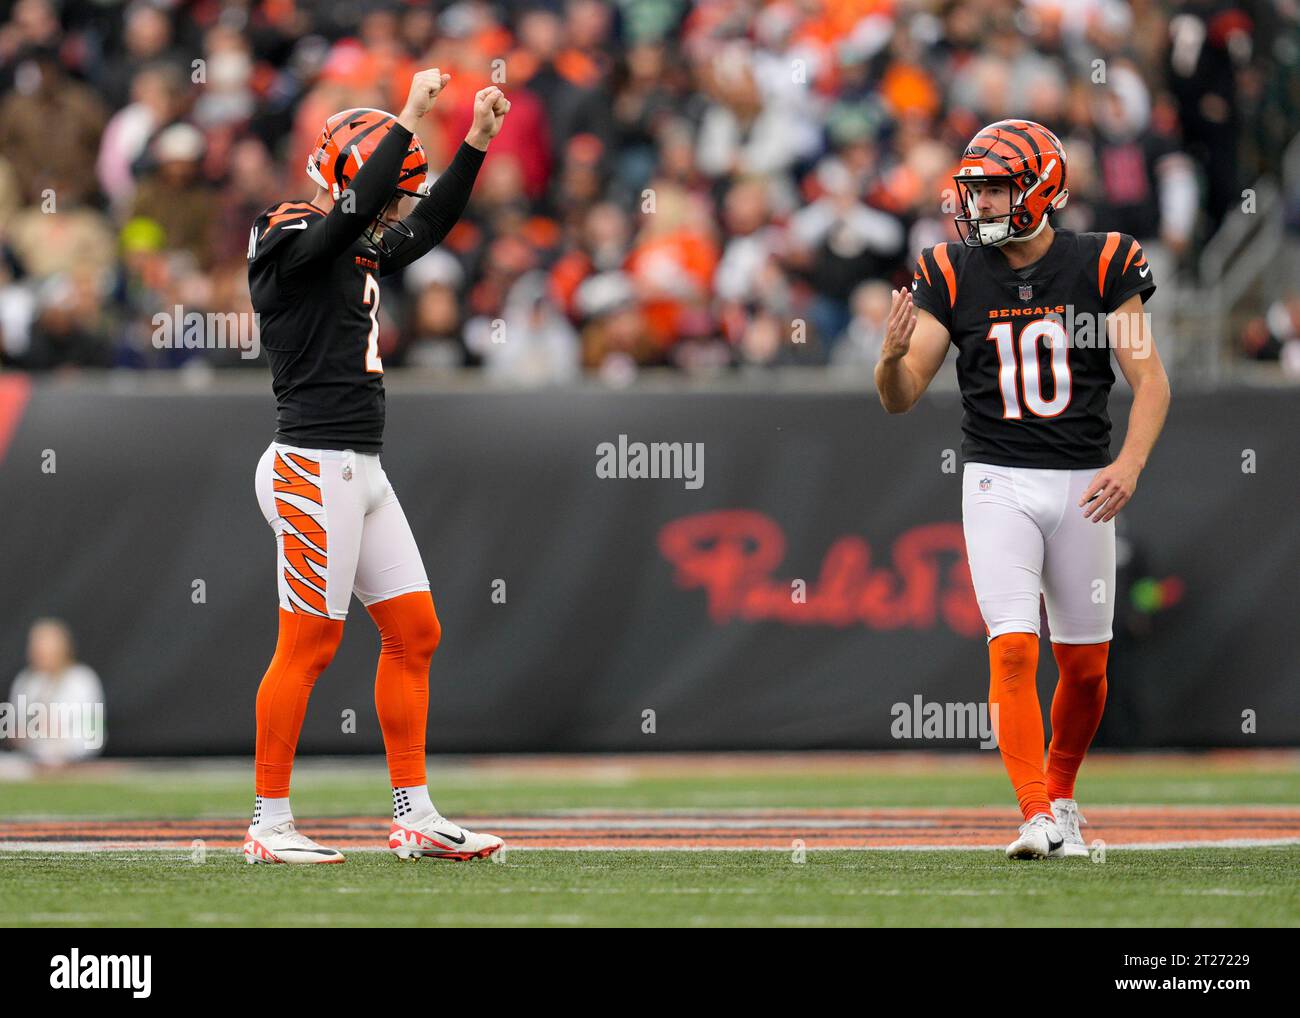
(1033, 357)
(314, 282)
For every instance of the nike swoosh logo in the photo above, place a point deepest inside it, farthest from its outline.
(451, 837)
(1143, 272)
(294, 226)
(1054, 845)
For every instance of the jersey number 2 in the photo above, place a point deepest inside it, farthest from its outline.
(371, 297)
(1021, 359)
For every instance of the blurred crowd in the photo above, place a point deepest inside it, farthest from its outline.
(697, 184)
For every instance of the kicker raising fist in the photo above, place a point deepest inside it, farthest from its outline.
(339, 529)
(425, 87)
(490, 109)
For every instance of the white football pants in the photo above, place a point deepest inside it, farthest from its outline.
(1026, 535)
(339, 530)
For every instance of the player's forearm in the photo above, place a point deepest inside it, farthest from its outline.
(440, 210)
(1146, 417)
(371, 191)
(896, 385)
(373, 186)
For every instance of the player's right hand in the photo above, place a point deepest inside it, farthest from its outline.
(490, 109)
(899, 327)
(425, 87)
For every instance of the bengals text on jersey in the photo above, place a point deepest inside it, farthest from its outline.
(1034, 390)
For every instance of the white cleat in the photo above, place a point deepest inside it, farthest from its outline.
(438, 838)
(1040, 838)
(1068, 819)
(283, 843)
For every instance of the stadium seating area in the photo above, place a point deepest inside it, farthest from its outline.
(687, 184)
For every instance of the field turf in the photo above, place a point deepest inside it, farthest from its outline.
(70, 881)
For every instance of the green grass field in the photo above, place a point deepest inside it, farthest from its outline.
(1198, 886)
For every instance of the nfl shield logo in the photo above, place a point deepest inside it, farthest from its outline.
(1026, 292)
(986, 483)
(347, 472)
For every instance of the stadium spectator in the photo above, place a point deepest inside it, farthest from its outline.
(175, 195)
(1210, 41)
(148, 37)
(72, 236)
(1275, 335)
(157, 99)
(58, 701)
(1139, 182)
(50, 128)
(866, 330)
(69, 328)
(531, 341)
(841, 240)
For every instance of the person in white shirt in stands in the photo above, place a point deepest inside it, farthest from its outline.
(58, 703)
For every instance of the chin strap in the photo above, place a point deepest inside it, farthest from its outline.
(1030, 236)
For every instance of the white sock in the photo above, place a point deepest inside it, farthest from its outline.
(269, 812)
(412, 803)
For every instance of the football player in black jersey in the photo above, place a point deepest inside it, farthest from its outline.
(313, 269)
(1036, 315)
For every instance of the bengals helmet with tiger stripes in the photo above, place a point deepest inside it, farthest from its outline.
(1032, 160)
(348, 139)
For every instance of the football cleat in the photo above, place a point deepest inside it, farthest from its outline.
(1040, 838)
(283, 843)
(1068, 819)
(438, 838)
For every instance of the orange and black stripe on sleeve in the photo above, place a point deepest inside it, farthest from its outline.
(288, 211)
(942, 260)
(1103, 261)
(922, 270)
(1134, 251)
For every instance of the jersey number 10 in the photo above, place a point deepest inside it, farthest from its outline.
(1022, 359)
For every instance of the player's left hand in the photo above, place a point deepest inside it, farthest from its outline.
(1109, 491)
(490, 109)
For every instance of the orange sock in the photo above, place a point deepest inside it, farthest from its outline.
(1013, 693)
(409, 634)
(303, 650)
(1077, 705)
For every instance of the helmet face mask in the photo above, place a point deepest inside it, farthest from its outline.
(995, 228)
(382, 225)
(1027, 160)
